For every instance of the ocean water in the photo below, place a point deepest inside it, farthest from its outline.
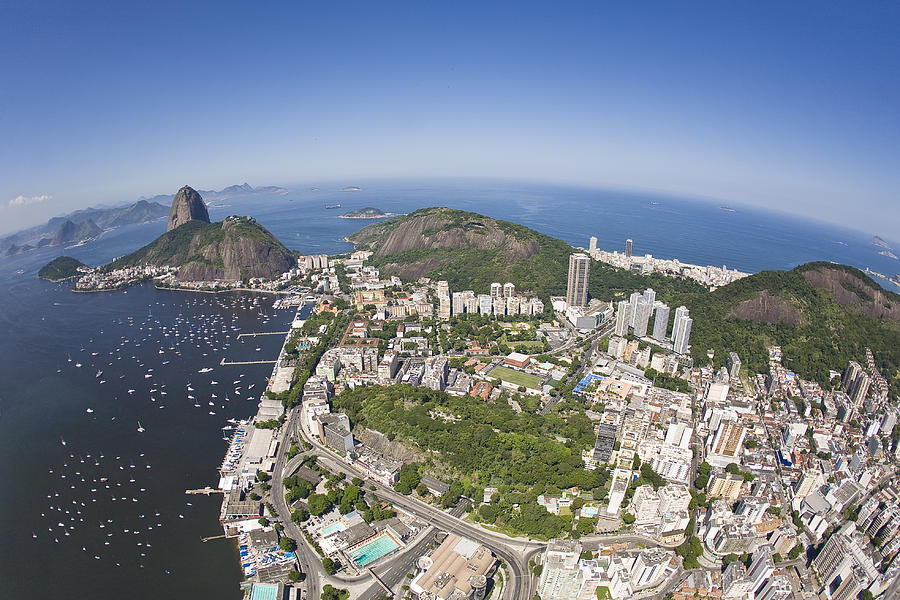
(44, 398)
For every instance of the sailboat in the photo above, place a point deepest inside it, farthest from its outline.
(140, 428)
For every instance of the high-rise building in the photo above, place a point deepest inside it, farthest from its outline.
(632, 302)
(444, 304)
(661, 323)
(683, 335)
(642, 312)
(733, 362)
(485, 304)
(579, 271)
(509, 290)
(628, 247)
(650, 296)
(856, 383)
(622, 317)
(680, 313)
(593, 243)
(496, 289)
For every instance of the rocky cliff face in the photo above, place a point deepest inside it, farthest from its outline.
(187, 206)
(244, 250)
(235, 249)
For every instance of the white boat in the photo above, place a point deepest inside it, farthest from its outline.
(140, 427)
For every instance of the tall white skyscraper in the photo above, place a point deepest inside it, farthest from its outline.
(579, 271)
(680, 313)
(593, 243)
(628, 247)
(661, 323)
(642, 311)
(650, 296)
(509, 290)
(622, 317)
(633, 300)
(683, 335)
(496, 289)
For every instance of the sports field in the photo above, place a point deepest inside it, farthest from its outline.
(516, 378)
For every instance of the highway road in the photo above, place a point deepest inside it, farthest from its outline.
(308, 559)
(514, 552)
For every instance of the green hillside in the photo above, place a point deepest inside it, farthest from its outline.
(822, 314)
(471, 251)
(60, 268)
(234, 249)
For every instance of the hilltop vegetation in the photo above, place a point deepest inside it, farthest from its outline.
(471, 251)
(235, 249)
(822, 314)
(60, 268)
(478, 444)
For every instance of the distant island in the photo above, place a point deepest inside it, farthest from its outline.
(880, 243)
(368, 212)
(61, 268)
(351, 188)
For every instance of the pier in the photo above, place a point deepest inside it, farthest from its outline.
(205, 491)
(241, 335)
(225, 363)
(213, 537)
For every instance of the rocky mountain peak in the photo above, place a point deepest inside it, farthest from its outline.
(187, 206)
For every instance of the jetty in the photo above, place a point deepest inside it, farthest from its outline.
(242, 335)
(205, 491)
(225, 363)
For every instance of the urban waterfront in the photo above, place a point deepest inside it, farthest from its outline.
(41, 407)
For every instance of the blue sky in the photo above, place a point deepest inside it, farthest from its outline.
(790, 106)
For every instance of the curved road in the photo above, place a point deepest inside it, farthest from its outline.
(514, 552)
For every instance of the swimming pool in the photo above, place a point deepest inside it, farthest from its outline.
(373, 550)
(333, 528)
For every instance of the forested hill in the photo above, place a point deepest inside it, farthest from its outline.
(471, 251)
(822, 314)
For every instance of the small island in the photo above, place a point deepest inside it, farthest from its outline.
(61, 268)
(367, 212)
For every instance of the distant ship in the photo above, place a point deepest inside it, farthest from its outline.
(727, 209)
(330, 206)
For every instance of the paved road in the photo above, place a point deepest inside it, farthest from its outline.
(514, 552)
(308, 559)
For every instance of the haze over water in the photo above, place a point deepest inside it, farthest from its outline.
(45, 324)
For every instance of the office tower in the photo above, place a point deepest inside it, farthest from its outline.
(642, 317)
(628, 247)
(680, 313)
(734, 365)
(683, 336)
(509, 290)
(661, 323)
(496, 290)
(622, 314)
(579, 270)
(593, 243)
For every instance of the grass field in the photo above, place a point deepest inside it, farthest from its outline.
(516, 378)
